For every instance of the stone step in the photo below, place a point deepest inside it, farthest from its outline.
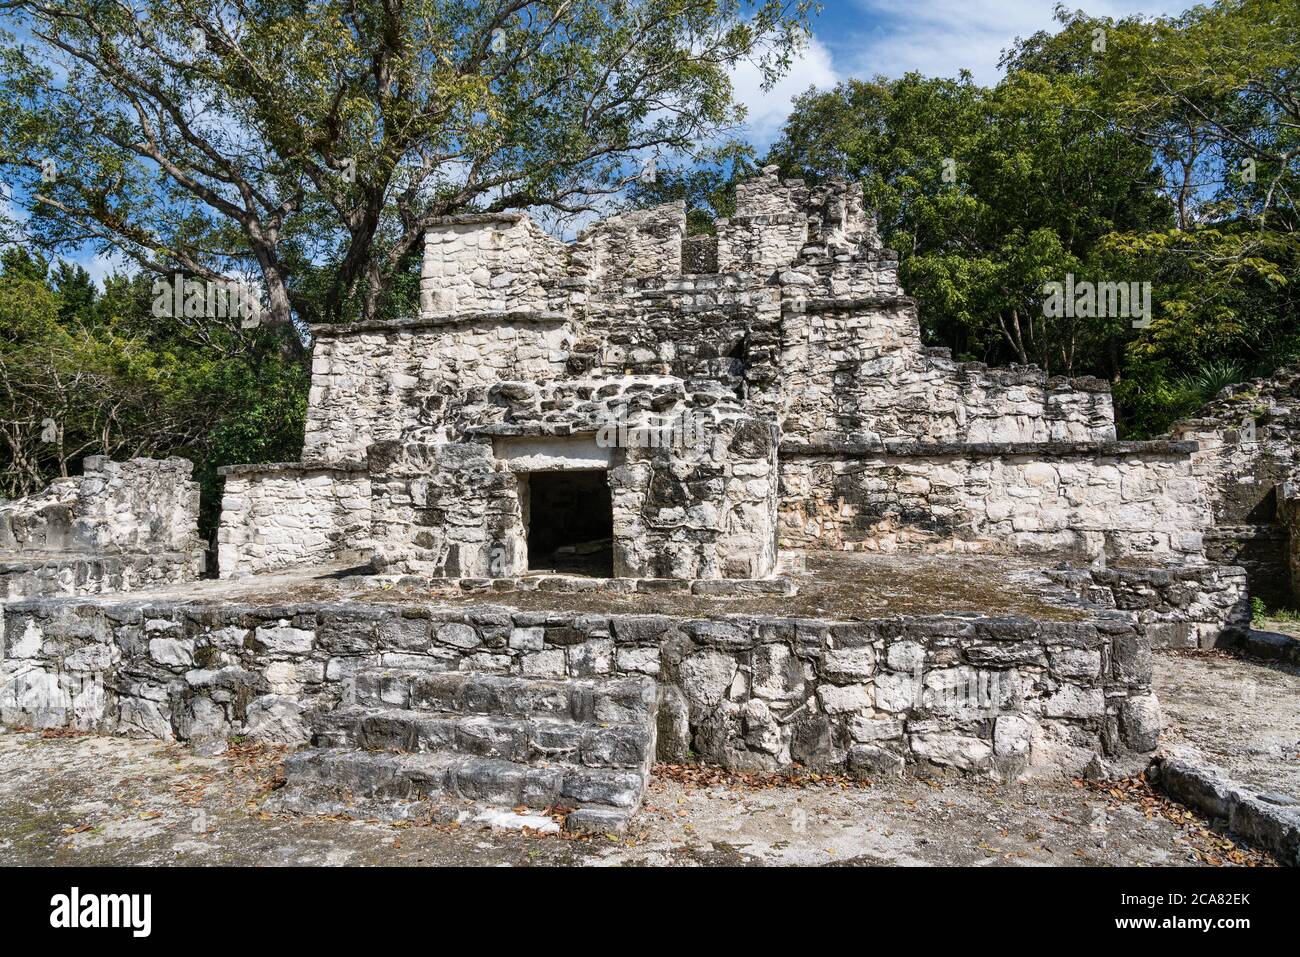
(322, 780)
(519, 738)
(628, 700)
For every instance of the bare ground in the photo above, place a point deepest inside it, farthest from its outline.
(91, 800)
(1239, 715)
(843, 585)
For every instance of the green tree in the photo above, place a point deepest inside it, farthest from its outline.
(987, 194)
(310, 145)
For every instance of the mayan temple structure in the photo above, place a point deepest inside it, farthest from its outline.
(701, 403)
(648, 496)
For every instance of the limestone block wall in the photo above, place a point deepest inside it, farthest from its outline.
(38, 573)
(139, 506)
(632, 245)
(119, 526)
(378, 381)
(760, 244)
(281, 515)
(703, 509)
(1184, 607)
(861, 372)
(714, 327)
(488, 262)
(445, 511)
(1005, 697)
(1247, 451)
(777, 220)
(1122, 500)
(590, 405)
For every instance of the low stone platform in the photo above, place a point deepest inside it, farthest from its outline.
(984, 670)
(1232, 746)
(833, 585)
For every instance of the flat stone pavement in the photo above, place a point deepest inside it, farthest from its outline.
(1237, 714)
(92, 800)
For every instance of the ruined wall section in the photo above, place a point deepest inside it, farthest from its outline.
(493, 262)
(717, 328)
(768, 229)
(854, 374)
(119, 526)
(139, 506)
(446, 511)
(379, 381)
(277, 516)
(1125, 500)
(1006, 697)
(1247, 450)
(639, 244)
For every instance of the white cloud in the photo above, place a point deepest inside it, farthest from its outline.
(941, 37)
(101, 266)
(766, 110)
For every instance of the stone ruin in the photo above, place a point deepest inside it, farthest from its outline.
(119, 526)
(689, 427)
(701, 422)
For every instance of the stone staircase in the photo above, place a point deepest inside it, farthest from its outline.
(412, 744)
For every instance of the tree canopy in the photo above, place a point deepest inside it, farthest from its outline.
(1139, 150)
(310, 144)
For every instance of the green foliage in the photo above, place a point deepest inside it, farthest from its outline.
(987, 194)
(310, 145)
(84, 372)
(1114, 151)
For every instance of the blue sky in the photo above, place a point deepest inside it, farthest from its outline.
(936, 37)
(863, 38)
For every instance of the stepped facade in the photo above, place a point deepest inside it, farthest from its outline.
(702, 421)
(646, 496)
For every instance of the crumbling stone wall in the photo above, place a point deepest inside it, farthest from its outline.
(700, 510)
(1187, 607)
(49, 574)
(632, 245)
(709, 327)
(119, 526)
(285, 514)
(1006, 697)
(488, 262)
(1247, 450)
(859, 373)
(142, 505)
(1120, 500)
(375, 381)
(445, 510)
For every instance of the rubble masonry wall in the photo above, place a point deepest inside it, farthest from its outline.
(279, 515)
(1002, 696)
(1137, 500)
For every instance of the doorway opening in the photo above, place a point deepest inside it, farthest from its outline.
(570, 522)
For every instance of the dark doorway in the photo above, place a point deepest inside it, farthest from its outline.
(570, 523)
